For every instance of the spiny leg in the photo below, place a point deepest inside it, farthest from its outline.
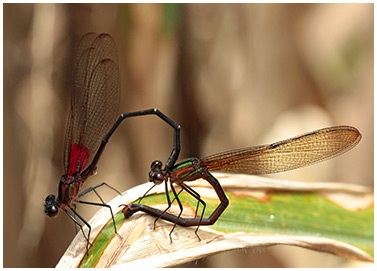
(204, 174)
(150, 190)
(196, 195)
(146, 193)
(93, 188)
(81, 228)
(103, 204)
(169, 204)
(180, 191)
(180, 213)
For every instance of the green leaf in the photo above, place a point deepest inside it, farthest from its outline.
(96, 250)
(291, 212)
(329, 217)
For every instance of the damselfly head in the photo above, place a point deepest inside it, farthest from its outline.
(156, 175)
(51, 206)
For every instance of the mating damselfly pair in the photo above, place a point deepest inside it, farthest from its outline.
(92, 121)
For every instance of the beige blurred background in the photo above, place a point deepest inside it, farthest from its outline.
(233, 75)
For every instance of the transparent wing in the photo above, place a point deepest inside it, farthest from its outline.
(94, 99)
(288, 154)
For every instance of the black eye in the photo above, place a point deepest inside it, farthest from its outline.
(159, 176)
(52, 211)
(156, 174)
(51, 206)
(156, 165)
(156, 177)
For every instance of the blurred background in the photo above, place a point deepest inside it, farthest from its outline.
(232, 75)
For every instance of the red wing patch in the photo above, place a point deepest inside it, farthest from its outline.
(78, 157)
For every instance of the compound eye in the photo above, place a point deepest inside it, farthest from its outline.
(156, 165)
(156, 177)
(51, 206)
(52, 211)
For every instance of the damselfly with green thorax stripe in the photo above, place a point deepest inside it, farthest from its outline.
(292, 153)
